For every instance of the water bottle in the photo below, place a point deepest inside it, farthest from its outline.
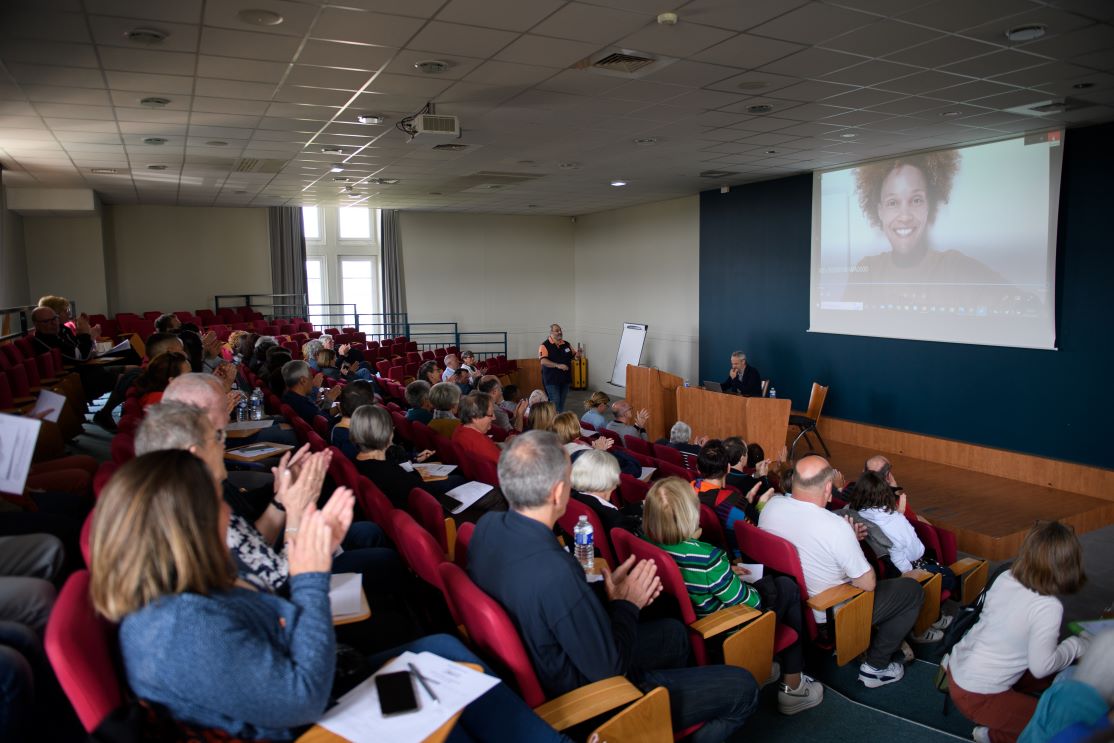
(257, 404)
(585, 552)
(686, 383)
(773, 392)
(242, 409)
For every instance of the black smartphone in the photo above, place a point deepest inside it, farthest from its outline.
(396, 693)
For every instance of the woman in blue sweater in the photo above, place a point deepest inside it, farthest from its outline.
(213, 651)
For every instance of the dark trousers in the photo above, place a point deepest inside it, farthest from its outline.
(722, 697)
(557, 394)
(781, 596)
(897, 603)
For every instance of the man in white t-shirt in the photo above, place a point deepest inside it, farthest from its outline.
(829, 550)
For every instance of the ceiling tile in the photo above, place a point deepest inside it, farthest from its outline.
(70, 111)
(544, 51)
(49, 53)
(1091, 39)
(737, 16)
(871, 73)
(453, 38)
(141, 82)
(811, 63)
(705, 99)
(338, 54)
(422, 87)
(295, 111)
(507, 73)
(327, 77)
(234, 89)
(33, 23)
(58, 94)
(996, 63)
(180, 11)
(512, 15)
(316, 96)
(48, 75)
(681, 40)
(582, 82)
(147, 61)
(811, 90)
(923, 82)
(131, 99)
(223, 42)
(941, 51)
(812, 23)
(152, 115)
(248, 70)
(748, 83)
(339, 24)
(747, 51)
(880, 39)
(584, 22)
(955, 15)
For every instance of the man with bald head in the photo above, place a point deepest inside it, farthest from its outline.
(884, 467)
(828, 546)
(627, 422)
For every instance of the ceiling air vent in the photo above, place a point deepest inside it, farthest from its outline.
(717, 173)
(258, 165)
(625, 63)
(450, 147)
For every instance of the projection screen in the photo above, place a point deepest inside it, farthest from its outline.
(953, 245)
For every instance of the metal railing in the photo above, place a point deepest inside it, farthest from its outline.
(22, 321)
(484, 343)
(270, 306)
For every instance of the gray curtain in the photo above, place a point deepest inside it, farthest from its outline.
(288, 258)
(394, 285)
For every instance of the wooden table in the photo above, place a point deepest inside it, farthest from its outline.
(759, 420)
(656, 391)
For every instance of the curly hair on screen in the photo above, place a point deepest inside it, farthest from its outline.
(938, 168)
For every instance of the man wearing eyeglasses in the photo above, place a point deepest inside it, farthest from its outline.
(50, 333)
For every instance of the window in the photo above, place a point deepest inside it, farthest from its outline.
(358, 283)
(315, 283)
(355, 223)
(311, 222)
(342, 265)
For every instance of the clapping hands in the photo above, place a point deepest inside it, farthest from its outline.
(638, 584)
(641, 417)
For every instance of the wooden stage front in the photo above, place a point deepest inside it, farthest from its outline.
(989, 515)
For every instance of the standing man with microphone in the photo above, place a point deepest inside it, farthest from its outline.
(556, 359)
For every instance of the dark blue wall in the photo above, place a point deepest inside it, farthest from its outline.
(754, 296)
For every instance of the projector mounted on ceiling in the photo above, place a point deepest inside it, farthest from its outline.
(445, 126)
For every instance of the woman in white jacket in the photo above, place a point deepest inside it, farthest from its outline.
(1016, 642)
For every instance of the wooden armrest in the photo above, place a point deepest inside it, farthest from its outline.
(723, 620)
(973, 579)
(648, 719)
(23, 400)
(921, 576)
(964, 566)
(587, 702)
(835, 595)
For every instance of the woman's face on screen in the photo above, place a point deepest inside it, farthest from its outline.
(903, 208)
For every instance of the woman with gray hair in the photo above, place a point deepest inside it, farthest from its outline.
(371, 431)
(679, 437)
(595, 477)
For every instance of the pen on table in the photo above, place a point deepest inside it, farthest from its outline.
(425, 684)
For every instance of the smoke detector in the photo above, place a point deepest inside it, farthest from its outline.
(145, 36)
(154, 101)
(432, 66)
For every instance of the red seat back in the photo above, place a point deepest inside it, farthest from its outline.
(428, 512)
(343, 471)
(487, 471)
(611, 435)
(80, 645)
(667, 453)
(463, 539)
(492, 632)
(639, 445)
(778, 554)
(631, 489)
(423, 436)
(418, 547)
(321, 425)
(375, 505)
(711, 530)
(446, 452)
(316, 443)
(573, 512)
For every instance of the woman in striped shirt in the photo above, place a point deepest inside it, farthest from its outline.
(671, 520)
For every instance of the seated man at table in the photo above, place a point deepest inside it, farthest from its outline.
(573, 639)
(299, 386)
(830, 555)
(742, 379)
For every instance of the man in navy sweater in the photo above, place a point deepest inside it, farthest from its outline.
(742, 379)
(573, 639)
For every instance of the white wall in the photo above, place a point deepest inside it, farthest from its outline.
(490, 272)
(14, 291)
(66, 258)
(177, 257)
(638, 264)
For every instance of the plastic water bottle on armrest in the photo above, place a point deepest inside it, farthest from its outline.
(585, 547)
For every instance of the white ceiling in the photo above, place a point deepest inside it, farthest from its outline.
(848, 80)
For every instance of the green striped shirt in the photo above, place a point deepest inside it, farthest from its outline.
(708, 576)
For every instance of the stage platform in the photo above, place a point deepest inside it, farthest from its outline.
(989, 515)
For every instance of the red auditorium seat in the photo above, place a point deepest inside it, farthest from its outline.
(573, 511)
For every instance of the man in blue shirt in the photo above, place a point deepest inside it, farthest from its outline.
(573, 639)
(299, 384)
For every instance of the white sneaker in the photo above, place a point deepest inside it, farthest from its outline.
(873, 677)
(981, 734)
(929, 635)
(807, 695)
(943, 622)
(775, 674)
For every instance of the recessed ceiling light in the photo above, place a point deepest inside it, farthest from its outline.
(154, 140)
(154, 101)
(259, 17)
(951, 114)
(156, 167)
(569, 166)
(332, 150)
(1083, 86)
(145, 36)
(760, 108)
(751, 85)
(645, 140)
(432, 66)
(103, 171)
(216, 143)
(848, 135)
(1027, 32)
(771, 152)
(336, 168)
(341, 179)
(370, 119)
(618, 184)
